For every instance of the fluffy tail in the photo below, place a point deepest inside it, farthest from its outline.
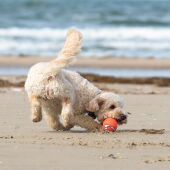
(70, 50)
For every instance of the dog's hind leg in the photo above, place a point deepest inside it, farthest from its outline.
(66, 115)
(36, 111)
(67, 111)
(51, 113)
(54, 122)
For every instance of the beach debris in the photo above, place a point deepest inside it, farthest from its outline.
(112, 156)
(158, 159)
(146, 131)
(6, 137)
(159, 81)
(19, 81)
(12, 81)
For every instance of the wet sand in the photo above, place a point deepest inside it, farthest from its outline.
(141, 144)
(111, 62)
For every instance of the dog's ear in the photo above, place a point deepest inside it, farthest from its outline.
(95, 104)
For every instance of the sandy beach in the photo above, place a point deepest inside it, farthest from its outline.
(121, 51)
(144, 143)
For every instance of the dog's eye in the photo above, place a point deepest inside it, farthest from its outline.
(112, 107)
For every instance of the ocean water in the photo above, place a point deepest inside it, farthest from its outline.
(129, 28)
(126, 72)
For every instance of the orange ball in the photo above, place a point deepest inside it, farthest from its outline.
(110, 124)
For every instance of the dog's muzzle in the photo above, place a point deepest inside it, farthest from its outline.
(122, 119)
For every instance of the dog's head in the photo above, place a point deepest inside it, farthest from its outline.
(108, 104)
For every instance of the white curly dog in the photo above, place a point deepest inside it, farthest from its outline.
(65, 98)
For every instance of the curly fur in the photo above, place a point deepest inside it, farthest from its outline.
(57, 92)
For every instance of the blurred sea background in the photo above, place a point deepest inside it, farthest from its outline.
(111, 28)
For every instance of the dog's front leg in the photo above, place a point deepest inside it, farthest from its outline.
(70, 119)
(86, 122)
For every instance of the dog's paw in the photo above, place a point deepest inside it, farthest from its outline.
(68, 127)
(99, 128)
(36, 118)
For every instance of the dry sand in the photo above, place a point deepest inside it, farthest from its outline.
(34, 146)
(26, 146)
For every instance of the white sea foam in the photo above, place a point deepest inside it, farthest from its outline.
(154, 33)
(33, 33)
(137, 41)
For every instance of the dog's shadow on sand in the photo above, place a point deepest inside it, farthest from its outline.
(70, 131)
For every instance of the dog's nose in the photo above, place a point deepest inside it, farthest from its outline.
(123, 117)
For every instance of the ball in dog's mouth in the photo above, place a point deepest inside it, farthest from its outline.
(110, 124)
